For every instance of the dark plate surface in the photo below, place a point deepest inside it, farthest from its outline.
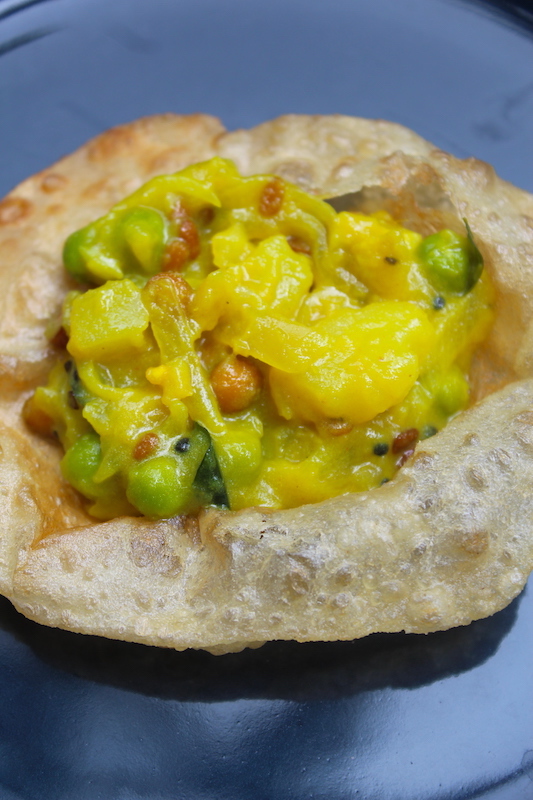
(442, 717)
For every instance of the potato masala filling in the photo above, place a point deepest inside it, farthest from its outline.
(237, 342)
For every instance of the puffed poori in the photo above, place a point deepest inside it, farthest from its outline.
(448, 539)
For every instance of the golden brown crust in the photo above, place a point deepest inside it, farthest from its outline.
(322, 154)
(449, 540)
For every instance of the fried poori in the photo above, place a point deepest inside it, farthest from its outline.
(447, 541)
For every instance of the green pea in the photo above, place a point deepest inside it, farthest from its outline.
(73, 256)
(454, 392)
(452, 263)
(145, 233)
(449, 389)
(87, 255)
(157, 489)
(80, 462)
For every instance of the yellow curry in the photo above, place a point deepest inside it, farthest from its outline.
(244, 344)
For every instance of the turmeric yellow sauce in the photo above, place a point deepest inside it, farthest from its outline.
(244, 345)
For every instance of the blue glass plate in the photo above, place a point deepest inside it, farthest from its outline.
(447, 716)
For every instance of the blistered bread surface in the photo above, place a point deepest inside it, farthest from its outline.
(449, 540)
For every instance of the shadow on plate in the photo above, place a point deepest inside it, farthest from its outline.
(278, 670)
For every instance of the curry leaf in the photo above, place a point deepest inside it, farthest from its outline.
(475, 259)
(209, 482)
